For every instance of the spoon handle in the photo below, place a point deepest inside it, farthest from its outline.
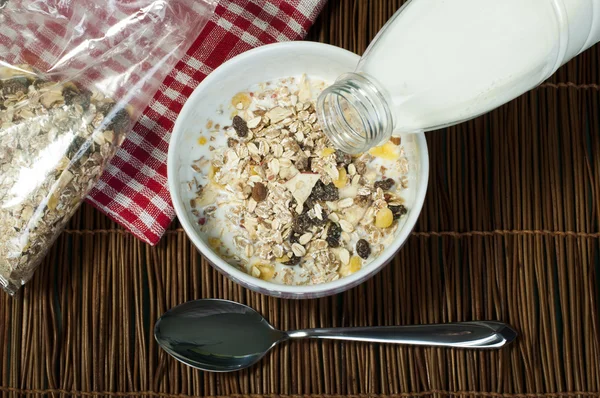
(476, 334)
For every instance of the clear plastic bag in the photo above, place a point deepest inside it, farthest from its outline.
(74, 76)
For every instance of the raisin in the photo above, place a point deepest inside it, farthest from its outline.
(240, 126)
(74, 96)
(320, 221)
(292, 261)
(363, 249)
(231, 142)
(398, 211)
(333, 235)
(302, 223)
(324, 192)
(384, 184)
(342, 158)
(259, 192)
(15, 85)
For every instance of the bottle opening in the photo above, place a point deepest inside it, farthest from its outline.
(354, 114)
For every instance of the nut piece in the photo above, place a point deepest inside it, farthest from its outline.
(344, 256)
(259, 192)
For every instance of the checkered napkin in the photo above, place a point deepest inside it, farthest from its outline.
(133, 190)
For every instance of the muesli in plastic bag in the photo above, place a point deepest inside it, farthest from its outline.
(74, 76)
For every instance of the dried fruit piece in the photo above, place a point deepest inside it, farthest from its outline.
(326, 152)
(333, 235)
(384, 218)
(350, 268)
(398, 211)
(341, 181)
(267, 271)
(384, 184)
(242, 99)
(386, 151)
(303, 223)
(363, 249)
(240, 126)
(259, 192)
(324, 192)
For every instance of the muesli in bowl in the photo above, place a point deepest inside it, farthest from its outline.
(280, 203)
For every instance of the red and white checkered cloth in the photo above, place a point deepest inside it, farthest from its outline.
(133, 190)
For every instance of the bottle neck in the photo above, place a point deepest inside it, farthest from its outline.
(354, 114)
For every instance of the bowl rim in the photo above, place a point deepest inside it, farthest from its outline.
(251, 282)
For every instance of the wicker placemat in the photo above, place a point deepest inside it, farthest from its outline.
(510, 231)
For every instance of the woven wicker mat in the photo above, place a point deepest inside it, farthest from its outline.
(510, 231)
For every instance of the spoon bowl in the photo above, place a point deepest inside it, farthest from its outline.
(216, 335)
(224, 336)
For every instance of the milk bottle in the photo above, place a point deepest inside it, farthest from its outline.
(440, 62)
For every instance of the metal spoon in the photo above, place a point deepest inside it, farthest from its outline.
(223, 336)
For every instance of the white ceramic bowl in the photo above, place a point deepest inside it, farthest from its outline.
(271, 62)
